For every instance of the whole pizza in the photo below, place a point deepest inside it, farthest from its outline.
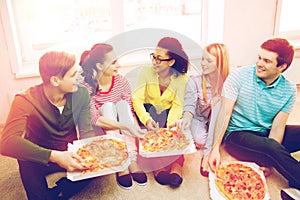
(164, 140)
(103, 153)
(237, 181)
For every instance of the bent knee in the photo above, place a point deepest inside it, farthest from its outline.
(272, 147)
(108, 105)
(200, 139)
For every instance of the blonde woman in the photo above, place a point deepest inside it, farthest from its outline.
(201, 100)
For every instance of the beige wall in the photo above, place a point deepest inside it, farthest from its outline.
(247, 23)
(9, 85)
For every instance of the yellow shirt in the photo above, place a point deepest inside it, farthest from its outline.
(147, 91)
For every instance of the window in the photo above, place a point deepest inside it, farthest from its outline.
(287, 23)
(33, 27)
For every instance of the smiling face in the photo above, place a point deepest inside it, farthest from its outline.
(161, 60)
(70, 81)
(208, 63)
(266, 66)
(110, 65)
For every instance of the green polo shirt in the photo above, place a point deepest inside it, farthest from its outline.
(256, 104)
(34, 126)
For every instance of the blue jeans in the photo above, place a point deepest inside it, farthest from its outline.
(160, 118)
(257, 147)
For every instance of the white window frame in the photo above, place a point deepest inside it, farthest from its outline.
(11, 38)
(28, 67)
(24, 69)
(293, 36)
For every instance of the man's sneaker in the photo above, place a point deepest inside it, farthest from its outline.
(290, 194)
(124, 181)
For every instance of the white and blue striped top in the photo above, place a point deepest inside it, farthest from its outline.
(256, 104)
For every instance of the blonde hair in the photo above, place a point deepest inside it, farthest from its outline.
(220, 52)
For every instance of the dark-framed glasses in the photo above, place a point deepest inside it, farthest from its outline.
(158, 60)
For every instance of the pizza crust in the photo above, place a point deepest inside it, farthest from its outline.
(103, 153)
(118, 156)
(164, 140)
(238, 180)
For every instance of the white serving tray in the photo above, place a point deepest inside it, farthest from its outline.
(216, 195)
(191, 148)
(77, 175)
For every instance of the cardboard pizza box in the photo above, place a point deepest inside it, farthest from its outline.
(77, 175)
(191, 148)
(214, 191)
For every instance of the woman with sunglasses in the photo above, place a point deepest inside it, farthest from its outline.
(111, 105)
(158, 101)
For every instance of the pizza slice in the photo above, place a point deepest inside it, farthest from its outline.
(90, 162)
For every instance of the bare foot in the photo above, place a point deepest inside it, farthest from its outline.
(199, 146)
(159, 170)
(177, 169)
(124, 172)
(204, 163)
(267, 171)
(133, 167)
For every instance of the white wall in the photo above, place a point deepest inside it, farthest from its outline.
(293, 72)
(8, 84)
(247, 24)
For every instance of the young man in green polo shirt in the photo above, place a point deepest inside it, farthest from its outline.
(256, 102)
(42, 121)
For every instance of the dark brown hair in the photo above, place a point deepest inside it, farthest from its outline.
(55, 64)
(176, 52)
(283, 48)
(88, 61)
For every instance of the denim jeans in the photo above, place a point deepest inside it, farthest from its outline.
(257, 147)
(160, 118)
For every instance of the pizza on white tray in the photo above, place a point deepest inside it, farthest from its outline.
(164, 140)
(103, 153)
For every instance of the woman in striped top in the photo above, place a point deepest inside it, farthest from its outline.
(111, 106)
